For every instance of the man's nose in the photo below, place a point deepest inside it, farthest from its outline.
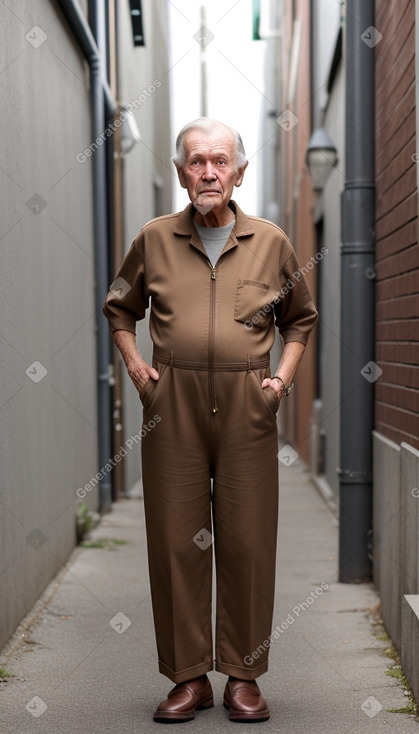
(209, 172)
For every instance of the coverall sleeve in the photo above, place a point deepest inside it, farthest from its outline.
(295, 313)
(127, 302)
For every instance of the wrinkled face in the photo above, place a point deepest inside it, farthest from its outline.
(210, 172)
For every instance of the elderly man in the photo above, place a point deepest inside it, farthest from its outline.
(217, 282)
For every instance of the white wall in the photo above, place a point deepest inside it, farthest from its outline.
(148, 162)
(329, 297)
(329, 112)
(325, 27)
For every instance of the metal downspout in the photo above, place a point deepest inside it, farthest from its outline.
(103, 106)
(118, 474)
(358, 371)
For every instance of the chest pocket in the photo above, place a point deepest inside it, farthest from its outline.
(252, 304)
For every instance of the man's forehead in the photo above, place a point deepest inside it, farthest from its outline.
(219, 139)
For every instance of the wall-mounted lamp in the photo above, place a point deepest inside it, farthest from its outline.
(130, 133)
(321, 158)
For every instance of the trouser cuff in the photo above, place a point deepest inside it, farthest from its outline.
(188, 673)
(237, 671)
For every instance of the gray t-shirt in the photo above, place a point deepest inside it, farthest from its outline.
(214, 239)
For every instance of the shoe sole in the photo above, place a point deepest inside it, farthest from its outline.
(241, 717)
(171, 717)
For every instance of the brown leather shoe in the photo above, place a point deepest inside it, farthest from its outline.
(245, 701)
(184, 699)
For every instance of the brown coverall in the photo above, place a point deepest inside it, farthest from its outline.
(212, 337)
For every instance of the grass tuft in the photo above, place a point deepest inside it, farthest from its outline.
(394, 670)
(107, 543)
(4, 674)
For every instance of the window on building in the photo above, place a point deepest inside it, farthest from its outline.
(137, 22)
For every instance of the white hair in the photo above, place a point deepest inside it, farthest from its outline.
(207, 124)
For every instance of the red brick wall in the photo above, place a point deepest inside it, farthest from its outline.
(397, 294)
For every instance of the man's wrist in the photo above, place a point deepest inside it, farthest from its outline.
(133, 362)
(286, 389)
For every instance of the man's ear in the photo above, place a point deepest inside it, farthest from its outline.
(181, 177)
(240, 174)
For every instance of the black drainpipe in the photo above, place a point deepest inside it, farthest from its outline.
(357, 292)
(103, 106)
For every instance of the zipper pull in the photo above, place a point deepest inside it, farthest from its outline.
(212, 273)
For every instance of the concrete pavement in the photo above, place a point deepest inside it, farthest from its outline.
(84, 659)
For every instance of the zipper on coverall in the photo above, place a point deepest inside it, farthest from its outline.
(211, 343)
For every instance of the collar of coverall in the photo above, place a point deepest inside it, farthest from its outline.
(185, 225)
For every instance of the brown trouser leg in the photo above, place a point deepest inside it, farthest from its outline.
(237, 447)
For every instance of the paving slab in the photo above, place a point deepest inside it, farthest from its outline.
(84, 659)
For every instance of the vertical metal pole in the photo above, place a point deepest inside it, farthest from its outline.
(357, 293)
(118, 473)
(204, 75)
(100, 209)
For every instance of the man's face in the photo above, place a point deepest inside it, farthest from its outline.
(210, 172)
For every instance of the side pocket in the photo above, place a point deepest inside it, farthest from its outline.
(271, 398)
(151, 387)
(268, 394)
(146, 393)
